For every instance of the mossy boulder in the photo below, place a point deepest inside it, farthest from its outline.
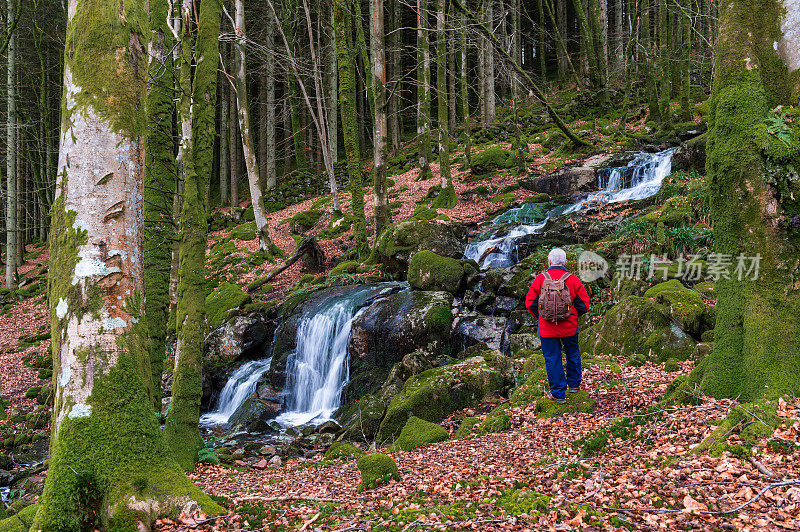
(344, 268)
(466, 427)
(342, 451)
(671, 365)
(304, 221)
(399, 241)
(676, 211)
(376, 470)
(492, 159)
(637, 325)
(418, 433)
(435, 393)
(225, 297)
(361, 419)
(429, 271)
(245, 231)
(391, 329)
(752, 422)
(683, 305)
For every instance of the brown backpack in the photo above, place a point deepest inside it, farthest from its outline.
(555, 301)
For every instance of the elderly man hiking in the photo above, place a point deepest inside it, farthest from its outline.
(557, 298)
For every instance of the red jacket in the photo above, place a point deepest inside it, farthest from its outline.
(580, 304)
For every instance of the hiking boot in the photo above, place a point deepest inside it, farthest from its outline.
(556, 399)
(575, 390)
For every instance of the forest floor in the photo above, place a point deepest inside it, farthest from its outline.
(622, 466)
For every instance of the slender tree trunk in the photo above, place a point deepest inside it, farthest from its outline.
(395, 75)
(447, 197)
(363, 55)
(347, 106)
(12, 223)
(106, 442)
(256, 195)
(233, 139)
(271, 177)
(333, 88)
(489, 69)
(541, 52)
(160, 175)
(224, 135)
(381, 193)
(465, 90)
(423, 90)
(561, 27)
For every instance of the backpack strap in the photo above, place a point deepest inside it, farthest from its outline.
(547, 276)
(564, 277)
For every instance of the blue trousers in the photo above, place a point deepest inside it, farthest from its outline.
(551, 349)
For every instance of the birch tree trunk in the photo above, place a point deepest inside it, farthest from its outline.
(12, 223)
(109, 466)
(160, 177)
(465, 89)
(256, 195)
(382, 213)
(488, 79)
(396, 75)
(224, 145)
(332, 87)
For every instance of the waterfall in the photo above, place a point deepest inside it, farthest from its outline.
(318, 369)
(639, 179)
(241, 385)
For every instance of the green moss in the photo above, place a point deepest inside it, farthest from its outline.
(636, 360)
(465, 429)
(576, 402)
(435, 393)
(226, 297)
(376, 470)
(683, 305)
(304, 221)
(245, 231)
(497, 420)
(491, 160)
(347, 267)
(418, 433)
(429, 271)
(342, 451)
(671, 365)
(753, 422)
(21, 521)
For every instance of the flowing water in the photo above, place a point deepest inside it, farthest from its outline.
(241, 385)
(639, 179)
(318, 369)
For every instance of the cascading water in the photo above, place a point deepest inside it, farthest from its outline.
(241, 385)
(639, 179)
(318, 369)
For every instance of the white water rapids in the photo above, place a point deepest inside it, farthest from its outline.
(639, 179)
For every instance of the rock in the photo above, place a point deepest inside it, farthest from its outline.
(389, 330)
(267, 450)
(492, 159)
(691, 155)
(429, 271)
(473, 329)
(261, 464)
(418, 433)
(238, 453)
(254, 415)
(437, 392)
(565, 181)
(329, 427)
(681, 304)
(242, 337)
(342, 451)
(225, 297)
(376, 470)
(527, 342)
(637, 325)
(401, 240)
(275, 461)
(240, 463)
(362, 419)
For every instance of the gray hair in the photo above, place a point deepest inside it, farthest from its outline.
(557, 257)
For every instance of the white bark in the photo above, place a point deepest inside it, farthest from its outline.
(789, 47)
(12, 253)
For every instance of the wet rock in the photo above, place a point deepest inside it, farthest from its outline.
(401, 240)
(275, 461)
(254, 415)
(429, 271)
(691, 155)
(474, 329)
(329, 427)
(389, 330)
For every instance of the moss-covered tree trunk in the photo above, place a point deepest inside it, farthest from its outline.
(269, 112)
(181, 430)
(160, 176)
(109, 467)
(347, 106)
(753, 176)
(382, 214)
(447, 196)
(423, 90)
(464, 86)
